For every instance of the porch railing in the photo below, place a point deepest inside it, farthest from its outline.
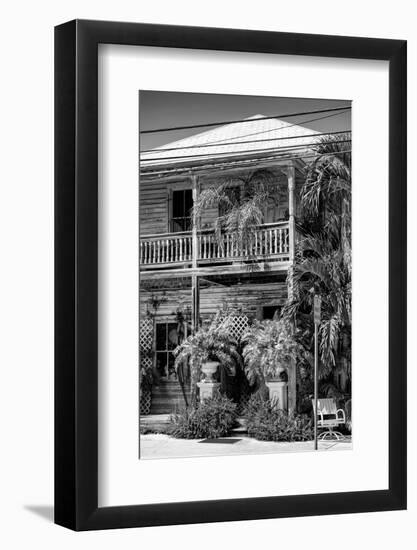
(269, 241)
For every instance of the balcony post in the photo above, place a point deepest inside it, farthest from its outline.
(291, 210)
(292, 371)
(195, 284)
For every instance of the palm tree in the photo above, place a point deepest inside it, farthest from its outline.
(323, 254)
(240, 212)
(326, 193)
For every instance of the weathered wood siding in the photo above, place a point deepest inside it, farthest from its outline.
(249, 297)
(153, 207)
(154, 198)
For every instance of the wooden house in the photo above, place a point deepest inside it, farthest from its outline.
(185, 274)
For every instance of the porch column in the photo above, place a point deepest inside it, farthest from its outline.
(195, 303)
(292, 372)
(195, 284)
(291, 210)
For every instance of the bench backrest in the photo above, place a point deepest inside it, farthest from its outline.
(326, 406)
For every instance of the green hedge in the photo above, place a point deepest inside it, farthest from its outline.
(214, 417)
(266, 423)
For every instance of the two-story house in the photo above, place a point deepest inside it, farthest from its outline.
(184, 270)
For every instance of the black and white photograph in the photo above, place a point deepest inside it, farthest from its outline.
(245, 275)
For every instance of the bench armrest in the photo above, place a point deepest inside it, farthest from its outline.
(342, 412)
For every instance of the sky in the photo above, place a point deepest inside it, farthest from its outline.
(170, 109)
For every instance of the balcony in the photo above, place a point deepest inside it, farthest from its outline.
(270, 242)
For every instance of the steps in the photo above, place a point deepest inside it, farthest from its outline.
(168, 397)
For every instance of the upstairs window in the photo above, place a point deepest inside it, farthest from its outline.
(182, 203)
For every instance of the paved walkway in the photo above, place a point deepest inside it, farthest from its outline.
(164, 446)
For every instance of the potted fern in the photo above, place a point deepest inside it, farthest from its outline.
(209, 348)
(269, 348)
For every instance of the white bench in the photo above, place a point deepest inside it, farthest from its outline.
(329, 417)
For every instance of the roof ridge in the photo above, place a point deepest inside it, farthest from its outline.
(213, 130)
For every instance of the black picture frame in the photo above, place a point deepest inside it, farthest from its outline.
(76, 272)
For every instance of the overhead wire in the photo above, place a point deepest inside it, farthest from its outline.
(269, 149)
(241, 163)
(286, 126)
(203, 146)
(240, 121)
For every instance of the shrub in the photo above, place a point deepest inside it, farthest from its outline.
(267, 423)
(214, 417)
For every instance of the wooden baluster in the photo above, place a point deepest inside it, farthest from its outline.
(181, 252)
(276, 241)
(280, 241)
(176, 256)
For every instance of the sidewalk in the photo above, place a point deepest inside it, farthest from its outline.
(164, 446)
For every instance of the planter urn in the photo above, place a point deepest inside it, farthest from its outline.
(208, 387)
(209, 368)
(278, 393)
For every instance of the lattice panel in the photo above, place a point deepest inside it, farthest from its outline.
(146, 334)
(146, 341)
(239, 324)
(145, 402)
(146, 345)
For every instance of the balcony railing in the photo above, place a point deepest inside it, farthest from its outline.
(268, 242)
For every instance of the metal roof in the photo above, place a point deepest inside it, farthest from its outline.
(255, 135)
